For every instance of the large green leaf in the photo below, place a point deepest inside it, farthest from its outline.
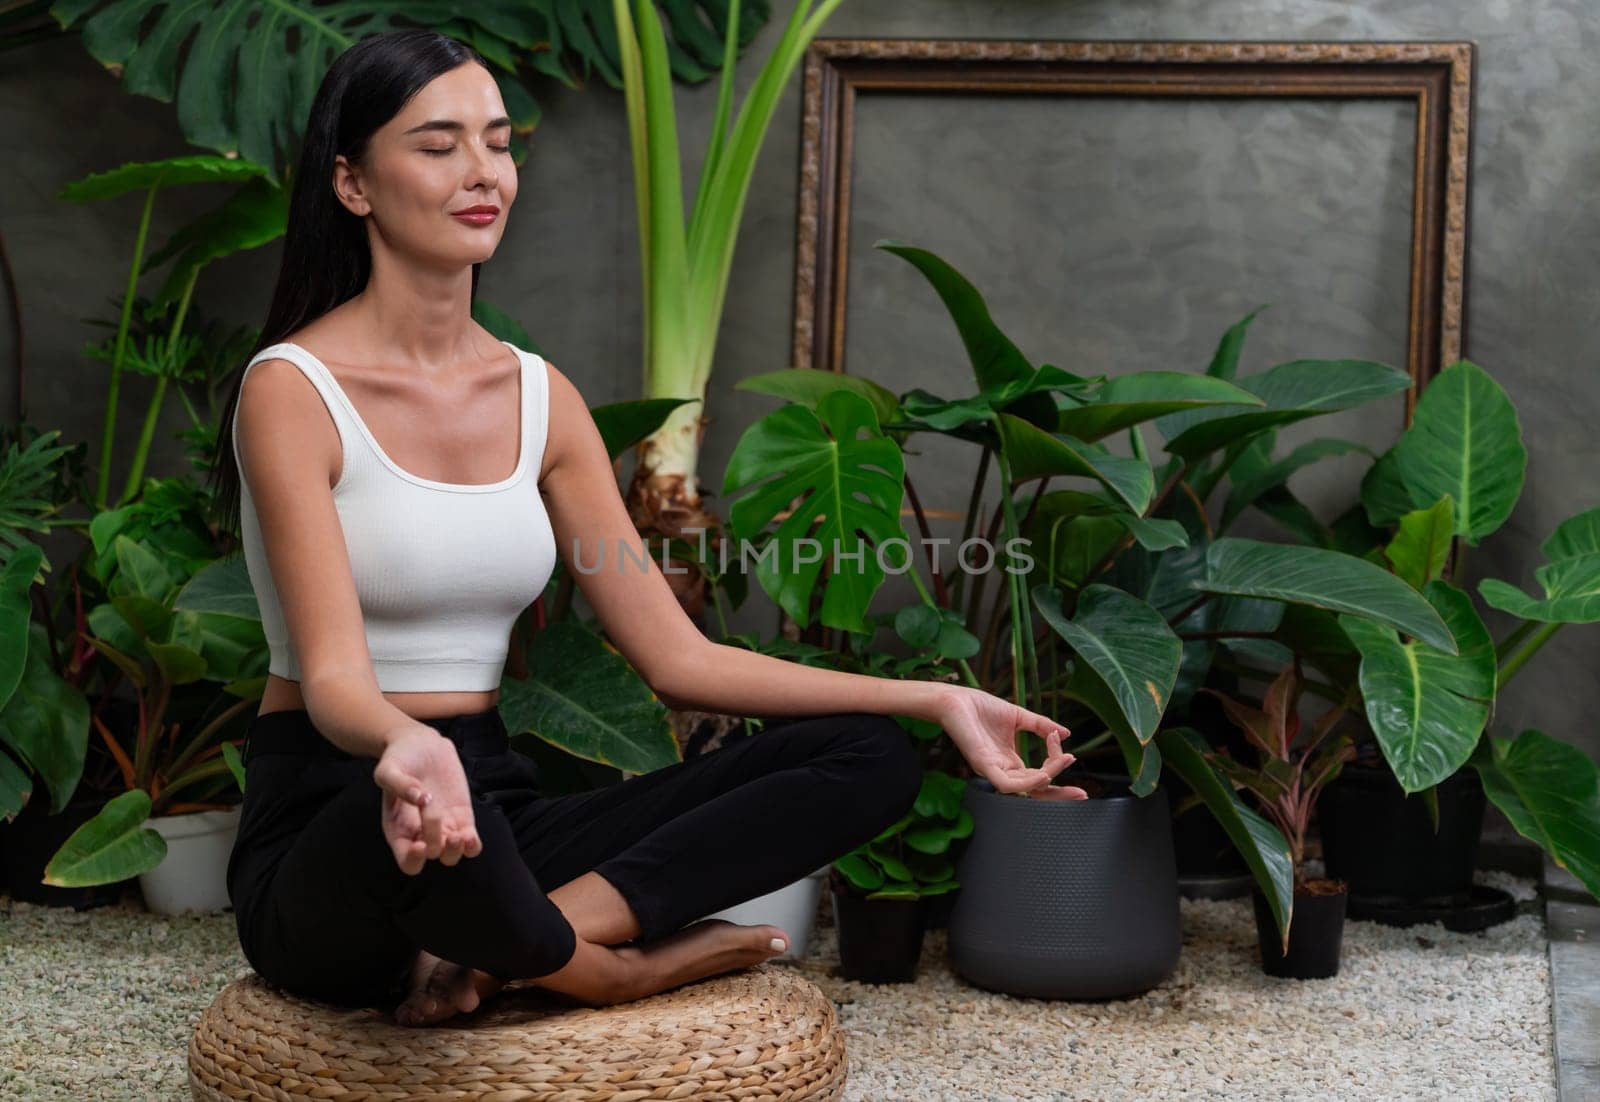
(1224, 365)
(808, 386)
(845, 483)
(249, 218)
(1571, 592)
(1383, 495)
(1324, 579)
(45, 723)
(1421, 546)
(172, 172)
(624, 424)
(582, 696)
(1255, 472)
(112, 846)
(1292, 392)
(1034, 453)
(1578, 535)
(1131, 399)
(1261, 844)
(1126, 642)
(1550, 791)
(1465, 441)
(995, 360)
(1571, 580)
(16, 610)
(1426, 707)
(246, 80)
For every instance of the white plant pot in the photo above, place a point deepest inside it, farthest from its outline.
(792, 908)
(194, 874)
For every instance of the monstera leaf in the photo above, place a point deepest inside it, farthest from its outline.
(1426, 707)
(845, 476)
(245, 83)
(1464, 441)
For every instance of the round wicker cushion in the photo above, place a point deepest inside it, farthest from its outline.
(760, 1033)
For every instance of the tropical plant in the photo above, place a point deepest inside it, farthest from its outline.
(685, 267)
(1289, 772)
(1450, 481)
(1135, 594)
(909, 858)
(244, 86)
(146, 340)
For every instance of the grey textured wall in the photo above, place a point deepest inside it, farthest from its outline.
(1100, 249)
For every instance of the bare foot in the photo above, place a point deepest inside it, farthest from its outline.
(706, 948)
(441, 989)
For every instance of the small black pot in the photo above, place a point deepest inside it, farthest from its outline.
(1316, 933)
(34, 837)
(1382, 843)
(880, 940)
(937, 909)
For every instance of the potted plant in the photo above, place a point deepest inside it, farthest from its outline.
(881, 888)
(191, 649)
(685, 263)
(1114, 603)
(1285, 778)
(1401, 825)
(44, 721)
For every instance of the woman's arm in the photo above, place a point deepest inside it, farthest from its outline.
(604, 551)
(643, 618)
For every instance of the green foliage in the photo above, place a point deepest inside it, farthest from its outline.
(910, 858)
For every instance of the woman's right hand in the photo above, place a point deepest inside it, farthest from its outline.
(427, 805)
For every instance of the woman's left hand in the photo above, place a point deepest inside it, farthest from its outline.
(985, 727)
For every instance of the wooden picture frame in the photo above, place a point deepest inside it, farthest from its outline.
(1435, 77)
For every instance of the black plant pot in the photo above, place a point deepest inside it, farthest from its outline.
(880, 940)
(938, 908)
(34, 837)
(1382, 843)
(1316, 934)
(1066, 899)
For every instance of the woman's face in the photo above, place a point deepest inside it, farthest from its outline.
(445, 152)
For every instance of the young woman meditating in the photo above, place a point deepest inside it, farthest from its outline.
(403, 483)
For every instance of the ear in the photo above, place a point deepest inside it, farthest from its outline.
(347, 186)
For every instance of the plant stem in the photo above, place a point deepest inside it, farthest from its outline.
(169, 370)
(1520, 659)
(108, 432)
(1520, 633)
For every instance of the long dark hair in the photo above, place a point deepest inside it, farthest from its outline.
(326, 259)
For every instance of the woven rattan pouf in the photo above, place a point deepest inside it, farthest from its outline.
(757, 1034)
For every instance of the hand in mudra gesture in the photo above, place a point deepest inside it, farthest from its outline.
(427, 806)
(985, 728)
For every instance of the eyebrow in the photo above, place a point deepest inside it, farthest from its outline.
(452, 124)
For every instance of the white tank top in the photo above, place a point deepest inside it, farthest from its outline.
(442, 570)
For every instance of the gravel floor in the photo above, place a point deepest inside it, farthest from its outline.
(100, 1005)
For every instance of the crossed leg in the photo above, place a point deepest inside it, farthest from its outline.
(638, 859)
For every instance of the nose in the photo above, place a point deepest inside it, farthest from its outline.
(483, 172)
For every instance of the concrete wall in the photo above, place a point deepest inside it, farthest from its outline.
(1108, 236)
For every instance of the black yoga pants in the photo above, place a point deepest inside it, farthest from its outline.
(324, 911)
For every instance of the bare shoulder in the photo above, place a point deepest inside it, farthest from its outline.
(568, 414)
(282, 419)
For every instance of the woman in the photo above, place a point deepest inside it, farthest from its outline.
(392, 846)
